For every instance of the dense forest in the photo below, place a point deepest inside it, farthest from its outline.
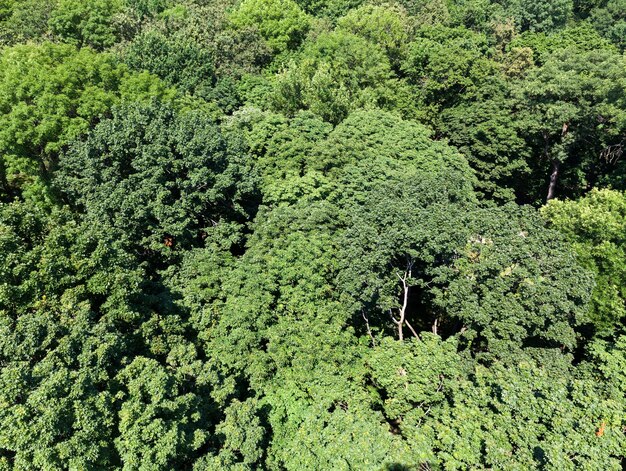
(312, 235)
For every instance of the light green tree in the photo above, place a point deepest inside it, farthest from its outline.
(595, 226)
(50, 95)
(282, 23)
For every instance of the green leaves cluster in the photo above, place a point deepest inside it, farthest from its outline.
(312, 234)
(594, 226)
(164, 180)
(50, 95)
(281, 22)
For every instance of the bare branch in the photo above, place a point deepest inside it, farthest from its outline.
(612, 153)
(412, 330)
(367, 326)
(393, 318)
(405, 302)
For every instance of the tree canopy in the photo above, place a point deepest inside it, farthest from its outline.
(312, 235)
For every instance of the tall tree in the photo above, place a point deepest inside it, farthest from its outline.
(162, 180)
(51, 94)
(573, 117)
(594, 225)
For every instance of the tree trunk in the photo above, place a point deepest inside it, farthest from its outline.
(405, 301)
(554, 177)
(556, 165)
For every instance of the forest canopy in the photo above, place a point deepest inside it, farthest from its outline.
(312, 234)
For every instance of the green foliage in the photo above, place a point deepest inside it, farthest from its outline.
(72, 288)
(386, 25)
(595, 227)
(282, 23)
(6, 9)
(372, 147)
(491, 141)
(177, 60)
(290, 234)
(241, 52)
(412, 378)
(481, 272)
(336, 74)
(108, 377)
(88, 23)
(147, 8)
(538, 15)
(446, 65)
(571, 112)
(514, 282)
(161, 178)
(475, 14)
(610, 20)
(24, 20)
(159, 422)
(286, 153)
(429, 12)
(50, 95)
(583, 37)
(330, 9)
(535, 413)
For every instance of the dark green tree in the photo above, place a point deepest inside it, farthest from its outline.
(538, 15)
(163, 180)
(448, 65)
(74, 311)
(177, 60)
(419, 256)
(610, 19)
(572, 116)
(51, 94)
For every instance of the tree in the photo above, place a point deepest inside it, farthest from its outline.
(289, 234)
(286, 153)
(24, 20)
(513, 283)
(475, 14)
(99, 368)
(419, 257)
(148, 8)
(161, 179)
(610, 20)
(6, 9)
(397, 232)
(491, 141)
(161, 425)
(518, 413)
(583, 37)
(51, 94)
(337, 73)
(446, 66)
(179, 61)
(571, 111)
(282, 23)
(87, 23)
(386, 25)
(542, 15)
(68, 295)
(413, 380)
(594, 226)
(280, 301)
